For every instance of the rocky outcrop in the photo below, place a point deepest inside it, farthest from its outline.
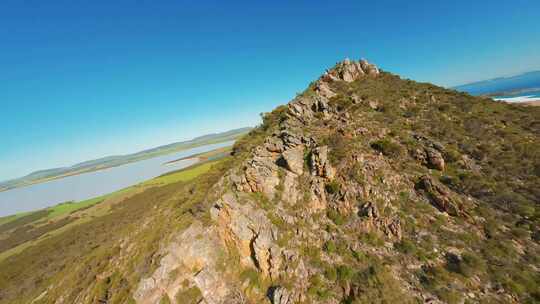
(279, 216)
(280, 295)
(430, 153)
(294, 159)
(435, 159)
(259, 173)
(305, 108)
(194, 256)
(440, 197)
(320, 164)
(247, 229)
(369, 210)
(347, 71)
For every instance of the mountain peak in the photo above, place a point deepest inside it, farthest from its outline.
(346, 70)
(350, 70)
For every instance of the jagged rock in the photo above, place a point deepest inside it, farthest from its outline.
(369, 68)
(291, 139)
(274, 144)
(294, 159)
(320, 164)
(304, 108)
(280, 295)
(369, 210)
(420, 155)
(195, 252)
(323, 89)
(391, 227)
(317, 194)
(260, 174)
(435, 159)
(347, 71)
(249, 230)
(290, 188)
(439, 196)
(373, 104)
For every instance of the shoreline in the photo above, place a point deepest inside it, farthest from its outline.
(519, 99)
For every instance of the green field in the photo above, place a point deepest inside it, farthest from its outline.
(19, 231)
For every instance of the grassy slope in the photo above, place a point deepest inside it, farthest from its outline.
(54, 214)
(75, 258)
(502, 139)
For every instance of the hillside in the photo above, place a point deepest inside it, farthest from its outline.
(365, 188)
(118, 160)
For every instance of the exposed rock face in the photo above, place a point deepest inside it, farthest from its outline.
(347, 71)
(247, 229)
(369, 210)
(440, 197)
(305, 108)
(430, 153)
(290, 188)
(294, 159)
(193, 254)
(260, 173)
(435, 159)
(320, 164)
(280, 295)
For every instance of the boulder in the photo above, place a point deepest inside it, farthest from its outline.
(369, 210)
(435, 159)
(280, 295)
(439, 196)
(294, 159)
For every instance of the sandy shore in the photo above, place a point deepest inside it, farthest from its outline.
(520, 99)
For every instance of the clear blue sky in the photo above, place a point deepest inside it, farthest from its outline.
(86, 79)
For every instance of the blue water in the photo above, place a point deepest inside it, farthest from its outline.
(93, 184)
(532, 94)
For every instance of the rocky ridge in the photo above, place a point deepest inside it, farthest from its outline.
(240, 225)
(291, 210)
(365, 188)
(286, 195)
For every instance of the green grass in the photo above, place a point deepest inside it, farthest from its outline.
(183, 175)
(17, 222)
(10, 218)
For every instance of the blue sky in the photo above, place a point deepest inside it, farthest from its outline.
(86, 79)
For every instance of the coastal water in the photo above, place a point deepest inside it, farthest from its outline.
(520, 97)
(93, 184)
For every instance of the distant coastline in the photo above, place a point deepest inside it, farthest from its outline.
(512, 92)
(115, 161)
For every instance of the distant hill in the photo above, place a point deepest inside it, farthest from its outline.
(117, 160)
(503, 85)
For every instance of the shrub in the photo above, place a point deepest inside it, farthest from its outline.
(330, 247)
(191, 295)
(336, 217)
(371, 238)
(388, 148)
(344, 273)
(331, 274)
(467, 265)
(332, 187)
(252, 276)
(406, 246)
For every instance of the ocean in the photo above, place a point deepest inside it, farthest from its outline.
(520, 97)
